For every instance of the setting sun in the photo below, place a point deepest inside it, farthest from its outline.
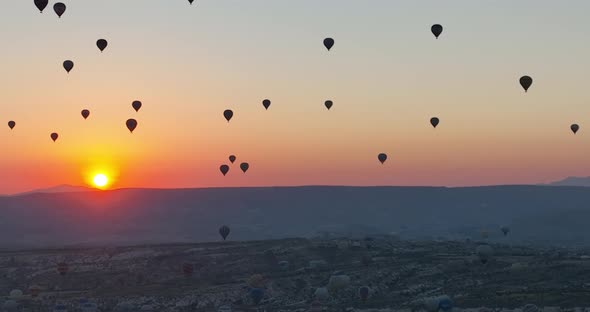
(100, 180)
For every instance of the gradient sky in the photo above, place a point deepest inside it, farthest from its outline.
(386, 74)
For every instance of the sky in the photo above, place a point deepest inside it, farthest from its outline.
(386, 74)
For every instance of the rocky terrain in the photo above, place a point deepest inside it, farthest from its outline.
(294, 275)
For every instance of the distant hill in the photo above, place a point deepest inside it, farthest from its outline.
(540, 214)
(573, 181)
(64, 188)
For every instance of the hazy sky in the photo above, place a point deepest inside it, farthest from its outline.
(386, 74)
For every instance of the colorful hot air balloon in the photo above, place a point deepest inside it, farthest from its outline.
(328, 104)
(574, 128)
(11, 124)
(266, 103)
(526, 82)
(131, 124)
(62, 268)
(101, 44)
(224, 169)
(59, 9)
(136, 105)
(328, 43)
(224, 231)
(244, 166)
(436, 30)
(382, 157)
(228, 114)
(232, 158)
(41, 4)
(54, 136)
(68, 65)
(434, 121)
(85, 113)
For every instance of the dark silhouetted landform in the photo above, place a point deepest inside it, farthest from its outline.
(572, 181)
(536, 214)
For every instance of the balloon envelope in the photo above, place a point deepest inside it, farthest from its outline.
(228, 114)
(328, 104)
(11, 124)
(131, 124)
(190, 1)
(382, 157)
(436, 30)
(224, 231)
(575, 128)
(85, 113)
(136, 105)
(526, 82)
(59, 8)
(434, 121)
(232, 158)
(224, 169)
(328, 43)
(54, 136)
(68, 65)
(244, 166)
(101, 44)
(266, 103)
(41, 4)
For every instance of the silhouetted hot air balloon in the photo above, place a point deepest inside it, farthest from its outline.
(54, 136)
(244, 166)
(224, 169)
(505, 229)
(266, 103)
(68, 65)
(62, 268)
(364, 293)
(526, 82)
(257, 294)
(11, 124)
(224, 231)
(101, 44)
(187, 269)
(436, 30)
(328, 43)
(382, 157)
(575, 128)
(484, 252)
(85, 113)
(228, 114)
(232, 158)
(59, 9)
(191, 1)
(328, 104)
(131, 124)
(434, 121)
(136, 105)
(41, 4)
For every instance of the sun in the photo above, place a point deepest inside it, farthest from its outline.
(100, 180)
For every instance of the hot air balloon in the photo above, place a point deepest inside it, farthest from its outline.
(59, 9)
(382, 157)
(526, 82)
(11, 124)
(328, 43)
(41, 4)
(224, 169)
(328, 104)
(436, 30)
(187, 269)
(224, 231)
(54, 136)
(575, 128)
(321, 293)
(257, 294)
(505, 229)
(266, 103)
(136, 105)
(62, 268)
(484, 252)
(15, 294)
(228, 114)
(434, 121)
(232, 158)
(191, 1)
(85, 113)
(364, 293)
(131, 124)
(68, 65)
(244, 166)
(101, 44)
(34, 290)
